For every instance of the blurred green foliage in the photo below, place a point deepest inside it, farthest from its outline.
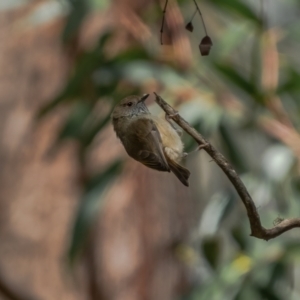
(229, 105)
(93, 197)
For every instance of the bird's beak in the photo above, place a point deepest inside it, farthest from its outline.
(143, 98)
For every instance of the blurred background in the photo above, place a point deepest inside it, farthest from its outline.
(79, 219)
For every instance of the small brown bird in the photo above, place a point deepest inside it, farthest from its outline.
(151, 140)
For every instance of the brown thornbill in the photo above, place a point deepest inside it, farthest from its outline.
(149, 139)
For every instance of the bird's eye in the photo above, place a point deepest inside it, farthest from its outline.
(129, 103)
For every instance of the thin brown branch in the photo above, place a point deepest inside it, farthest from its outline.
(163, 22)
(201, 16)
(257, 230)
(194, 14)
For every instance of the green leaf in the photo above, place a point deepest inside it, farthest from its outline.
(136, 53)
(267, 293)
(291, 84)
(92, 132)
(80, 84)
(73, 127)
(89, 209)
(238, 80)
(238, 235)
(238, 7)
(76, 16)
(292, 251)
(232, 150)
(49, 106)
(215, 212)
(211, 247)
(280, 270)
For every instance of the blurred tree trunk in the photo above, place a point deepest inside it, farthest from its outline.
(37, 196)
(132, 253)
(147, 214)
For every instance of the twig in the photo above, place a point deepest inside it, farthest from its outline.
(257, 230)
(194, 14)
(163, 22)
(199, 11)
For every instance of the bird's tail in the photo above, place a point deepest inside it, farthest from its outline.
(181, 173)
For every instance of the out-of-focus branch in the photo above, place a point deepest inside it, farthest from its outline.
(270, 75)
(257, 230)
(281, 127)
(286, 134)
(12, 291)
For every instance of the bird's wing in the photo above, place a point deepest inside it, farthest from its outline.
(144, 134)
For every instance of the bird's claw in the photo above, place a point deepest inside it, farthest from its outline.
(197, 149)
(171, 116)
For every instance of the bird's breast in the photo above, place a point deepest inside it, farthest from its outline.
(170, 138)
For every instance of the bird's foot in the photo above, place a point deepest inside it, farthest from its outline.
(197, 149)
(169, 117)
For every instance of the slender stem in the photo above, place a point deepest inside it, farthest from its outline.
(194, 14)
(201, 16)
(163, 22)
